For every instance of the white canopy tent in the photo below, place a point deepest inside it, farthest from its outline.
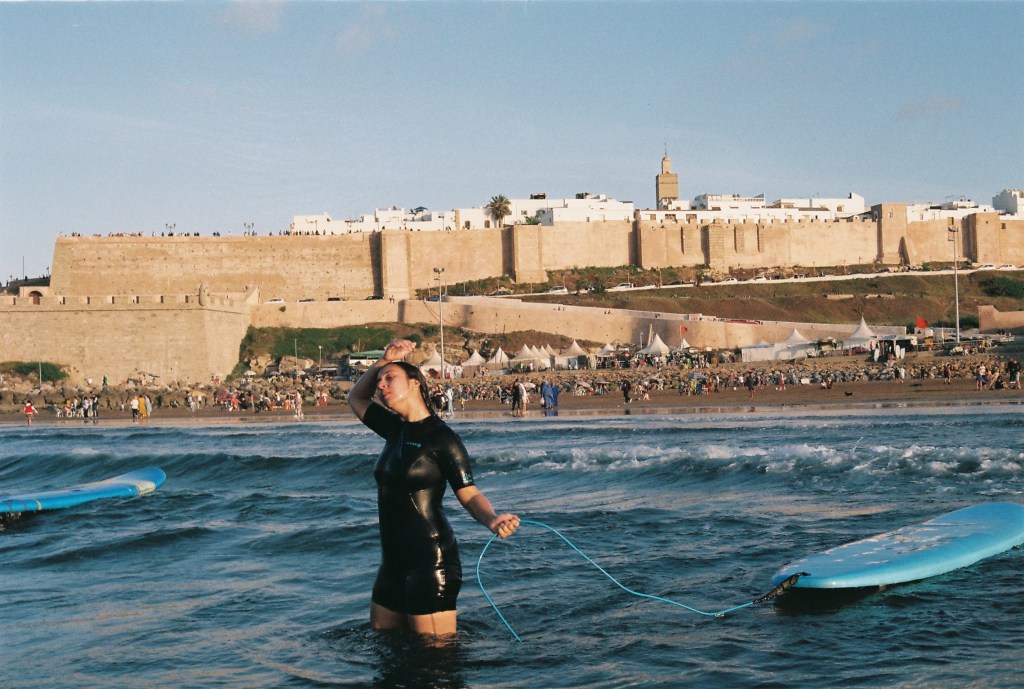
(434, 363)
(572, 357)
(796, 346)
(474, 359)
(762, 351)
(499, 357)
(531, 359)
(574, 350)
(863, 336)
(656, 347)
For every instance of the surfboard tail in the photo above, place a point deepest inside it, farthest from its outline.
(781, 588)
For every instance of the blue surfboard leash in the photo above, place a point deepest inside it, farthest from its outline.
(720, 613)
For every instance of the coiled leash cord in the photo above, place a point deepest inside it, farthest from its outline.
(768, 596)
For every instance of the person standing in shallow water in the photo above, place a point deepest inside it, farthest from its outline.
(420, 572)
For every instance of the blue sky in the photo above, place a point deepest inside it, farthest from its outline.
(127, 117)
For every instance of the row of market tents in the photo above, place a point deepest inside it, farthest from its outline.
(796, 346)
(536, 358)
(546, 357)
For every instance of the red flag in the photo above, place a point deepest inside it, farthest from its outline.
(921, 323)
(682, 329)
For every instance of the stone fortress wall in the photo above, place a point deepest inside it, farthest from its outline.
(134, 325)
(396, 263)
(181, 337)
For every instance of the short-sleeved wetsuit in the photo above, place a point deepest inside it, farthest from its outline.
(420, 571)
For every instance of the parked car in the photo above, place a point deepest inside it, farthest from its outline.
(306, 301)
(558, 290)
(1007, 266)
(337, 298)
(500, 292)
(275, 300)
(985, 266)
(730, 279)
(621, 287)
(759, 278)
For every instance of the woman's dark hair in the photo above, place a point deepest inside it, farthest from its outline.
(414, 373)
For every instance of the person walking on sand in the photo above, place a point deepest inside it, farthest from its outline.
(30, 411)
(517, 398)
(420, 574)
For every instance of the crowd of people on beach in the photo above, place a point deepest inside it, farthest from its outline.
(684, 377)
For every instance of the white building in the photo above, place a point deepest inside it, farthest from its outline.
(708, 208)
(394, 218)
(1009, 201)
(941, 211)
(538, 209)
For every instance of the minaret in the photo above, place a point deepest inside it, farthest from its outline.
(666, 184)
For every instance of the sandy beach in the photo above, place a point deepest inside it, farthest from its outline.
(858, 394)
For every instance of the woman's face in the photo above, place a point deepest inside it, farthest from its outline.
(396, 389)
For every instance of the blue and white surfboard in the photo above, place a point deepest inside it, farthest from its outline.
(127, 485)
(937, 546)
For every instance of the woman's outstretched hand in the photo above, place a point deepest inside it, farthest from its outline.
(504, 525)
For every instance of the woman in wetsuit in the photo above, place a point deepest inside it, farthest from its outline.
(420, 573)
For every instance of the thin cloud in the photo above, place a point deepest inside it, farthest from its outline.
(366, 32)
(799, 31)
(255, 18)
(936, 104)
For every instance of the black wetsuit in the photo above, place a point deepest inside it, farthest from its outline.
(420, 571)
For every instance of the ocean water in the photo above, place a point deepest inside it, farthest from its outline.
(252, 565)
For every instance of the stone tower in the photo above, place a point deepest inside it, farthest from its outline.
(666, 184)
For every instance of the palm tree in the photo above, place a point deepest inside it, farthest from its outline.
(498, 208)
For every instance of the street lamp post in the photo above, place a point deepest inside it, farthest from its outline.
(954, 232)
(320, 356)
(440, 312)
